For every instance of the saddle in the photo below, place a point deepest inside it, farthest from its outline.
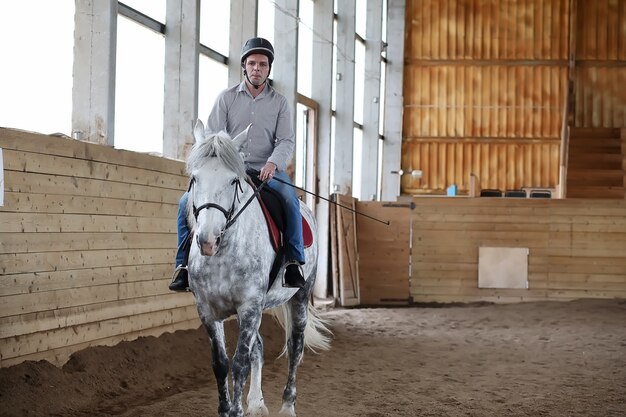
(274, 210)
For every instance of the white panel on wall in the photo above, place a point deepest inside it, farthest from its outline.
(502, 267)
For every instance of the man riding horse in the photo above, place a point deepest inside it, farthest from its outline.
(268, 150)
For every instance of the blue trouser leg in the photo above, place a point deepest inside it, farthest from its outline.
(183, 231)
(293, 228)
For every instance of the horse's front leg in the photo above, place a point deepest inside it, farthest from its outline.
(256, 404)
(249, 323)
(220, 363)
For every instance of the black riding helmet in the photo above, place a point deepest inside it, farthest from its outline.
(257, 46)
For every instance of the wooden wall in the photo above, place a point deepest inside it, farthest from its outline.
(576, 249)
(87, 244)
(601, 64)
(485, 87)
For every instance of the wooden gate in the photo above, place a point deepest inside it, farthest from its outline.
(384, 252)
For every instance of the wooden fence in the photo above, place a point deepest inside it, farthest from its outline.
(88, 234)
(576, 249)
(87, 243)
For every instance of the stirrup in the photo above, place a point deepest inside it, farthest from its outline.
(284, 283)
(177, 271)
(180, 279)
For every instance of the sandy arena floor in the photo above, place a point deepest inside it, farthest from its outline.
(530, 359)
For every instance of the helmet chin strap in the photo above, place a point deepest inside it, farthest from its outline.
(256, 87)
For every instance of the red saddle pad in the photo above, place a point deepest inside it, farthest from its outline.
(275, 235)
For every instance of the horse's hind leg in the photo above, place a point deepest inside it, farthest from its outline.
(220, 364)
(256, 405)
(295, 349)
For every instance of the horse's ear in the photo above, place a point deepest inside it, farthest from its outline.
(198, 131)
(241, 138)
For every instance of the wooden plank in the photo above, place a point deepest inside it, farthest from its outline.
(38, 222)
(15, 263)
(417, 289)
(347, 253)
(32, 282)
(53, 145)
(77, 204)
(92, 313)
(73, 297)
(334, 250)
(497, 217)
(72, 335)
(58, 242)
(34, 183)
(31, 162)
(59, 356)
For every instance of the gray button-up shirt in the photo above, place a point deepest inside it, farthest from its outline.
(271, 137)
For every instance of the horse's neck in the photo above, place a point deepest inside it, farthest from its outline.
(252, 216)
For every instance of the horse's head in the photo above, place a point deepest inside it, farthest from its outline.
(216, 169)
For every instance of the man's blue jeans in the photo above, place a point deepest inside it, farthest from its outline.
(294, 244)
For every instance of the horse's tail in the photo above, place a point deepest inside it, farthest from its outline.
(316, 333)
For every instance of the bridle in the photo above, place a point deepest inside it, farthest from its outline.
(230, 214)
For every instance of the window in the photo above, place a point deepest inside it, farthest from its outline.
(213, 78)
(139, 88)
(265, 20)
(305, 47)
(359, 80)
(214, 25)
(37, 84)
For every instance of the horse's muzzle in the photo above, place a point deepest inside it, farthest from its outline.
(208, 247)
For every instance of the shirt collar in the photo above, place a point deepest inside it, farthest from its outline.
(244, 88)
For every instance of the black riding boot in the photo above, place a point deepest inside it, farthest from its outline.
(180, 279)
(293, 277)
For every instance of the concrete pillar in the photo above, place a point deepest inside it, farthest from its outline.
(242, 27)
(322, 93)
(285, 68)
(371, 97)
(93, 92)
(393, 100)
(341, 168)
(180, 108)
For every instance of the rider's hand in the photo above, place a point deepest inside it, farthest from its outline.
(267, 172)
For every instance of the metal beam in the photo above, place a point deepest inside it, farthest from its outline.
(214, 55)
(142, 19)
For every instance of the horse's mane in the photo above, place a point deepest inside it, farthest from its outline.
(218, 145)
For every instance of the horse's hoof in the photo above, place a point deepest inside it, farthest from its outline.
(287, 410)
(260, 411)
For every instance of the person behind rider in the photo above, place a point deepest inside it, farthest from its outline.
(268, 150)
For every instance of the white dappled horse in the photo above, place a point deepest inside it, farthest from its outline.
(229, 263)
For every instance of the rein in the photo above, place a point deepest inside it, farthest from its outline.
(230, 218)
